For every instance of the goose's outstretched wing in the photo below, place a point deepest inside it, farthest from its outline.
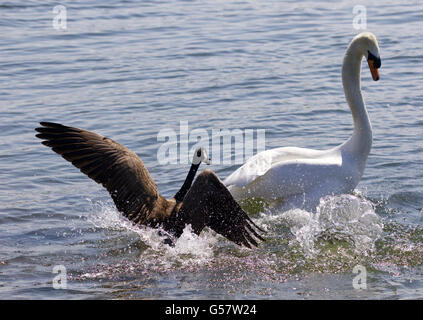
(209, 203)
(105, 161)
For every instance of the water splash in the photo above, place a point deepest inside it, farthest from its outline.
(345, 218)
(194, 249)
(222, 263)
(188, 248)
(343, 231)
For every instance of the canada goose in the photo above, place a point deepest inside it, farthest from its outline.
(206, 203)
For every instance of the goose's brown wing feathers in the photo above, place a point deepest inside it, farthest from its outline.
(107, 162)
(209, 203)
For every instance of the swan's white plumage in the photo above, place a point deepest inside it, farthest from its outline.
(291, 177)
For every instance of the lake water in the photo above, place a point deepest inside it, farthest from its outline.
(129, 69)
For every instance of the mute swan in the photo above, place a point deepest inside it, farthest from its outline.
(206, 203)
(291, 177)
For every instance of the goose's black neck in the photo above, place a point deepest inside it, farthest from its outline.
(179, 196)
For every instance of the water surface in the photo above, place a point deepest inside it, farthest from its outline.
(128, 69)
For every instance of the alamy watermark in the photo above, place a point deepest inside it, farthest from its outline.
(60, 18)
(360, 17)
(225, 146)
(60, 281)
(360, 280)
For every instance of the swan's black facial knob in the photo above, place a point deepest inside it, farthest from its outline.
(376, 60)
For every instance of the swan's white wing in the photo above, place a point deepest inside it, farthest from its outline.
(261, 163)
(254, 167)
(294, 177)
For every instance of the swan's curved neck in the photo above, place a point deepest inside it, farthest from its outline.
(361, 140)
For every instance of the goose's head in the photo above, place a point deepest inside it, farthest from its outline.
(200, 155)
(367, 45)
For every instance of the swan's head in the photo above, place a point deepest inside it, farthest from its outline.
(200, 155)
(367, 45)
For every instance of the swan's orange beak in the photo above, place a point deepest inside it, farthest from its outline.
(374, 71)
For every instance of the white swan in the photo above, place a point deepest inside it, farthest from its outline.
(291, 177)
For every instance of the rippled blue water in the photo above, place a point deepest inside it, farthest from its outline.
(128, 69)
